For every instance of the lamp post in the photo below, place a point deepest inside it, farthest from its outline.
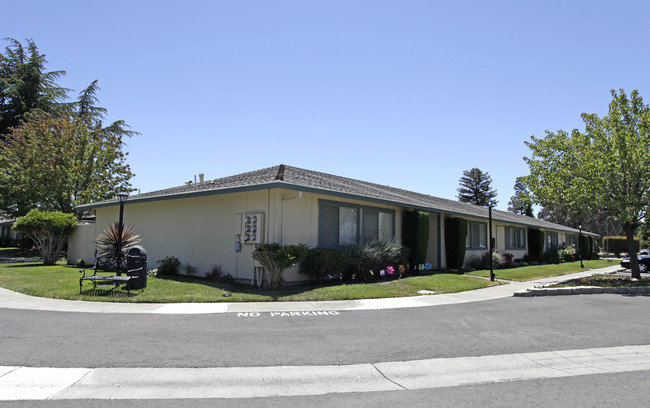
(491, 244)
(579, 248)
(121, 197)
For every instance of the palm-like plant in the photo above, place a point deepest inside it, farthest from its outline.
(108, 242)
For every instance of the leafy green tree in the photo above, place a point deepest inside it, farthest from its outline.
(49, 230)
(476, 188)
(25, 85)
(522, 201)
(601, 223)
(604, 169)
(57, 163)
(55, 154)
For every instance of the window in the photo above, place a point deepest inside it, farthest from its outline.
(345, 224)
(476, 234)
(515, 238)
(337, 225)
(571, 239)
(377, 225)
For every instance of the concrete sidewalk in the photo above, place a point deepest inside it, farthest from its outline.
(40, 383)
(13, 300)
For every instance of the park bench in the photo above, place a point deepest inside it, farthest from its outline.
(106, 273)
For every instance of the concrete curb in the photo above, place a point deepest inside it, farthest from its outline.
(545, 290)
(582, 290)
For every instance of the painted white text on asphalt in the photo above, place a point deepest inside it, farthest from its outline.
(290, 314)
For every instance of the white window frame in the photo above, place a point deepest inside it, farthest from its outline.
(515, 237)
(472, 238)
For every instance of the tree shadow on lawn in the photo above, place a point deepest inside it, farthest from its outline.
(248, 289)
(27, 265)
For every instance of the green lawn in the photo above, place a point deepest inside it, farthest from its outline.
(62, 282)
(527, 273)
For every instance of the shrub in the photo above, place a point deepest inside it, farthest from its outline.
(276, 258)
(552, 256)
(567, 254)
(319, 262)
(189, 269)
(455, 242)
(584, 247)
(372, 256)
(111, 246)
(215, 273)
(508, 259)
(478, 262)
(500, 260)
(619, 244)
(227, 278)
(415, 236)
(168, 266)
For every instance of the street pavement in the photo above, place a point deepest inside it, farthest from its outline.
(23, 383)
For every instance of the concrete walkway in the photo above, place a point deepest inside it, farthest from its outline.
(13, 300)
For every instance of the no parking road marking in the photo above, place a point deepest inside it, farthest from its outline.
(290, 314)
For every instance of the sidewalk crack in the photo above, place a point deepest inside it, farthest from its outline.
(388, 379)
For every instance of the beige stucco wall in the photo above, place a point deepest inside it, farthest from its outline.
(197, 230)
(202, 230)
(81, 244)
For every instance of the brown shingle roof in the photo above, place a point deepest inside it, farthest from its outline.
(283, 176)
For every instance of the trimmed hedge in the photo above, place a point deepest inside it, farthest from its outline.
(320, 262)
(535, 243)
(455, 242)
(415, 236)
(619, 244)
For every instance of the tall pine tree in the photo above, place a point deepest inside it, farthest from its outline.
(25, 86)
(476, 188)
(522, 201)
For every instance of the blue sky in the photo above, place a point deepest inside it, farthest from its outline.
(402, 93)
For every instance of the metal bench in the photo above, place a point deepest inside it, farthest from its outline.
(103, 273)
(106, 273)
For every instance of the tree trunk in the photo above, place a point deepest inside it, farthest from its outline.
(631, 250)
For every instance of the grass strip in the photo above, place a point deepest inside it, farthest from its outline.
(533, 272)
(62, 282)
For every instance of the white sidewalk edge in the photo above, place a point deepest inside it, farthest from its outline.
(39, 383)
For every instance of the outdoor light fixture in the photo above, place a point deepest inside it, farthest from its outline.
(121, 197)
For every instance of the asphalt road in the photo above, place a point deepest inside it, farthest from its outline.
(505, 326)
